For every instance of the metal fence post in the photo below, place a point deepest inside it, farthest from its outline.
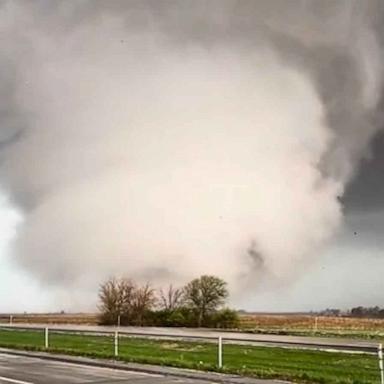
(46, 338)
(116, 343)
(380, 355)
(220, 352)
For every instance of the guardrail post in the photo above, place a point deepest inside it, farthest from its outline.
(46, 338)
(220, 352)
(380, 355)
(116, 343)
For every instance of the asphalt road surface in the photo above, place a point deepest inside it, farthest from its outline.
(283, 340)
(31, 370)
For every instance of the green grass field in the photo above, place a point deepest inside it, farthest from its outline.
(263, 362)
(344, 334)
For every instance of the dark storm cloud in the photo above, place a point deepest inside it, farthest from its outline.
(365, 193)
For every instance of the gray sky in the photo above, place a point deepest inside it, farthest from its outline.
(166, 139)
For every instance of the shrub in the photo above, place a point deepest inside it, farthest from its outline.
(225, 318)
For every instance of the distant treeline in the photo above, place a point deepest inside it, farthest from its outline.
(200, 303)
(372, 312)
(362, 312)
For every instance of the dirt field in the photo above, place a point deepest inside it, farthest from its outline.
(310, 322)
(80, 318)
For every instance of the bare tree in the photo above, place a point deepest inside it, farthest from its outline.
(116, 299)
(143, 300)
(110, 301)
(127, 291)
(172, 298)
(204, 295)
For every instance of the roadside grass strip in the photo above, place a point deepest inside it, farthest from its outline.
(306, 366)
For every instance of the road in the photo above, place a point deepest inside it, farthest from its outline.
(283, 340)
(31, 370)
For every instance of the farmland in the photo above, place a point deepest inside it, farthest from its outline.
(310, 322)
(314, 326)
(50, 318)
